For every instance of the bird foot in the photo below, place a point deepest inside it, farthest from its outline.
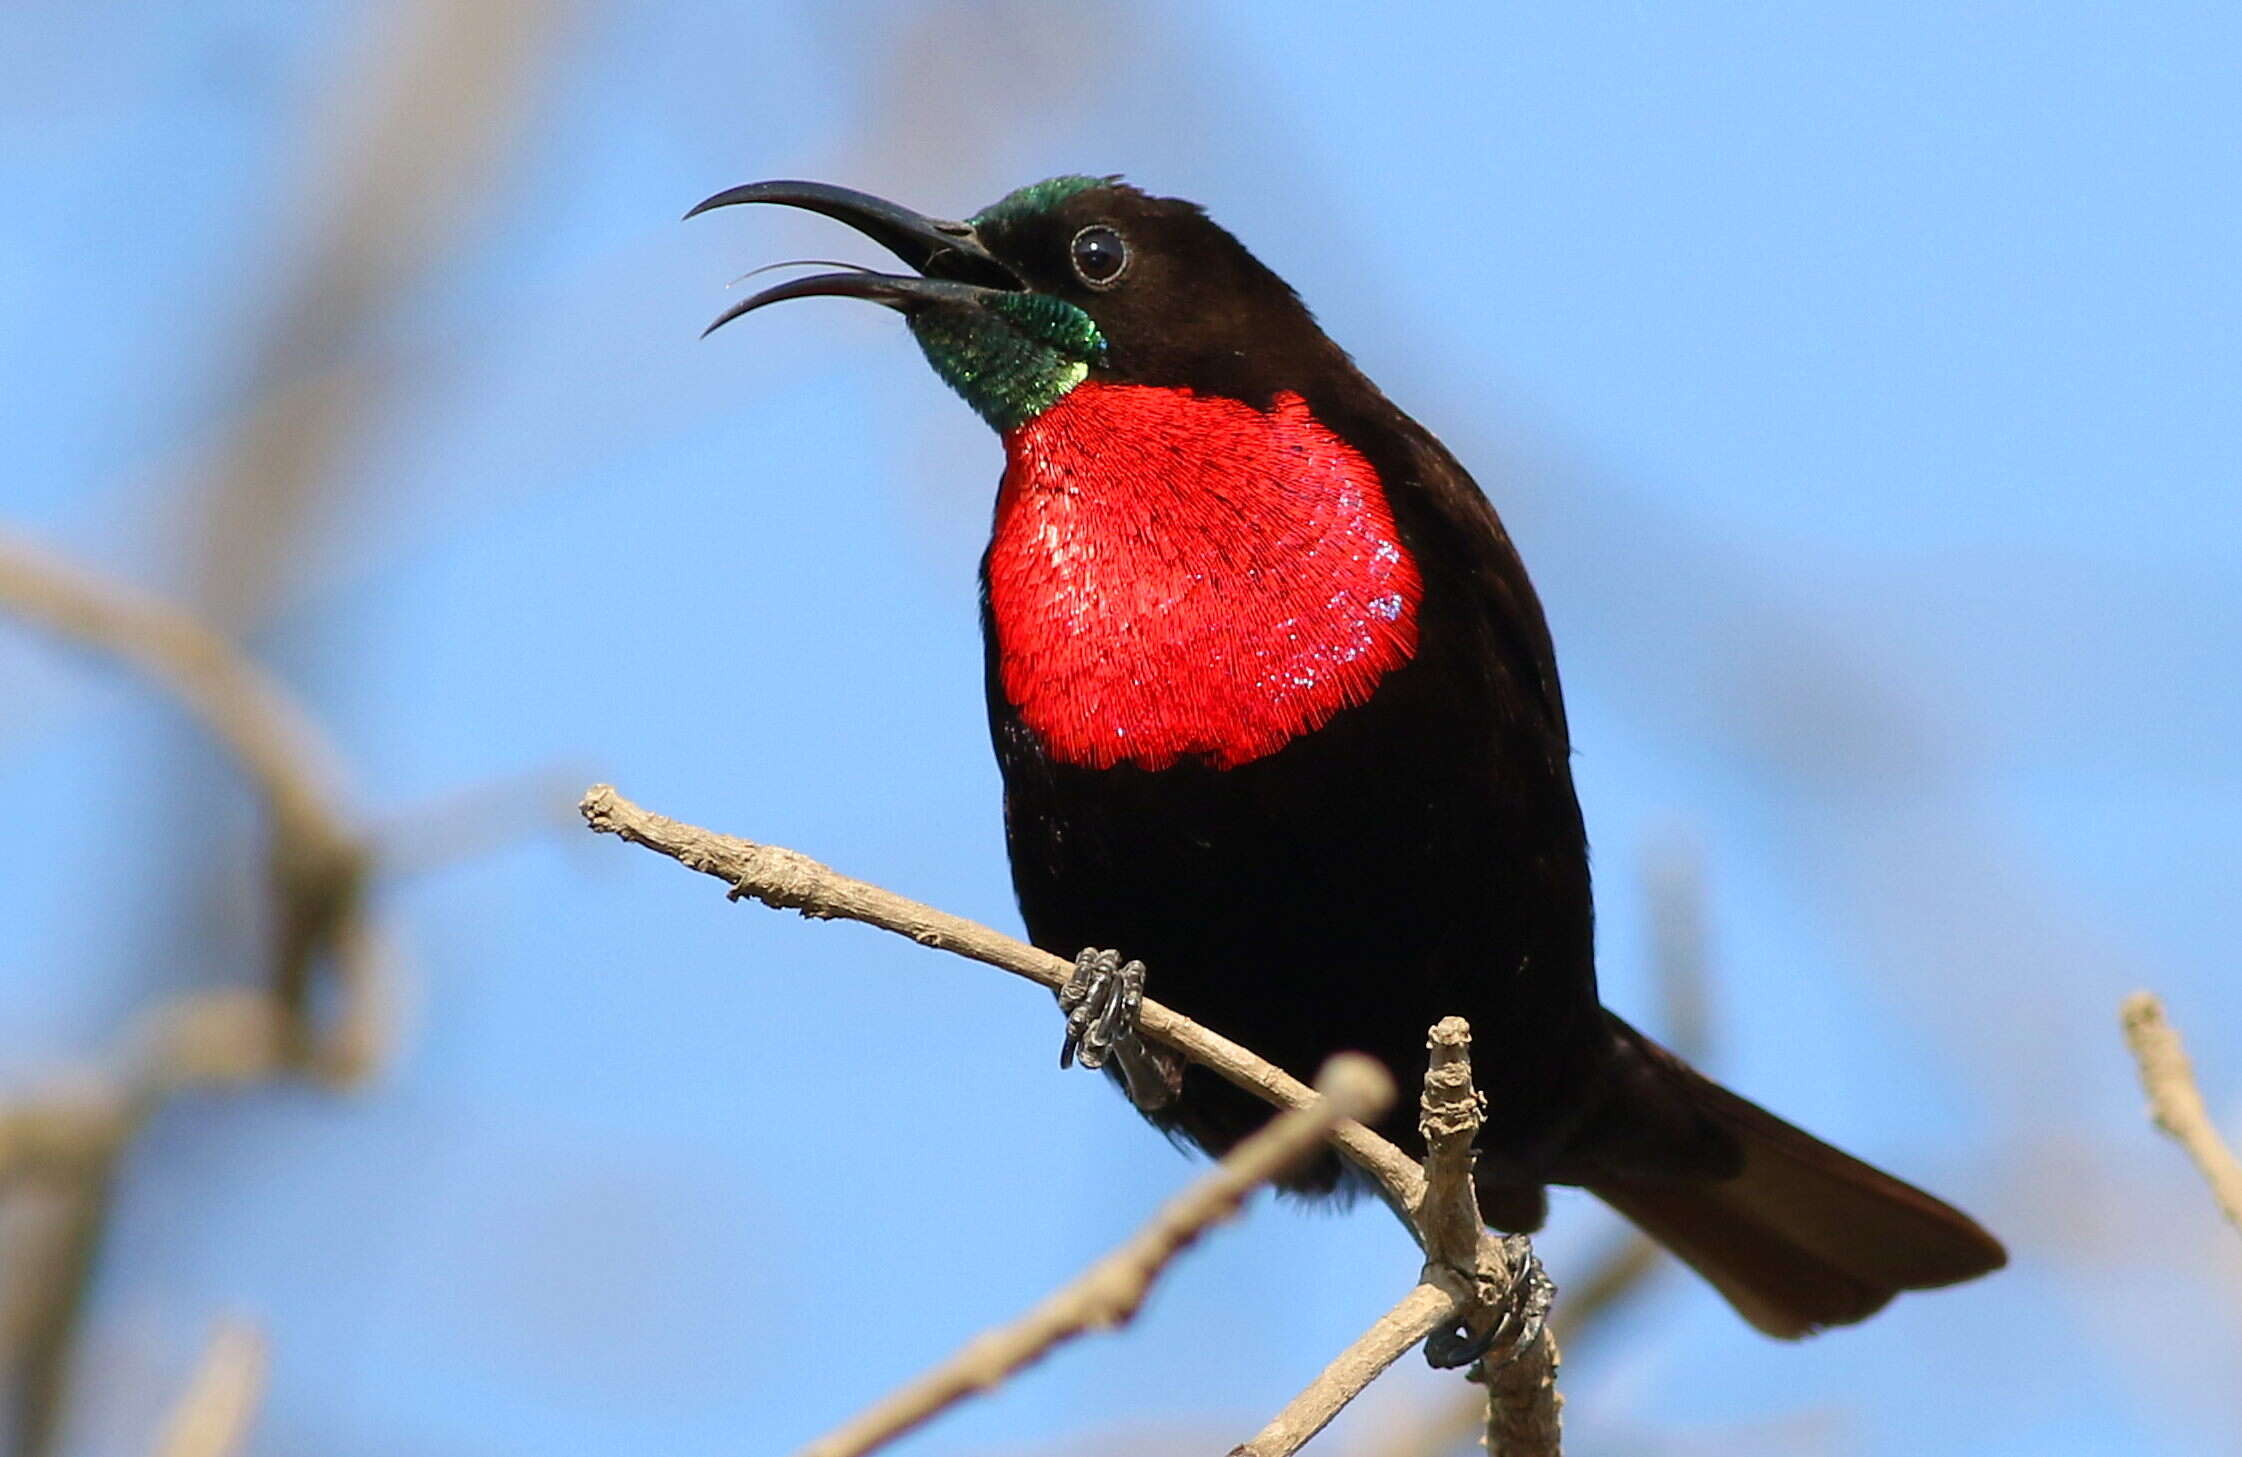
(1520, 1313)
(1103, 1000)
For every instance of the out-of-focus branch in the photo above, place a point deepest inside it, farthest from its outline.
(66, 1151)
(317, 861)
(1674, 889)
(317, 866)
(788, 880)
(2176, 1102)
(236, 701)
(215, 1414)
(436, 112)
(1109, 1292)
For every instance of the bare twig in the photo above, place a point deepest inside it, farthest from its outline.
(2177, 1103)
(1425, 1309)
(1449, 1116)
(1110, 1291)
(213, 1417)
(790, 881)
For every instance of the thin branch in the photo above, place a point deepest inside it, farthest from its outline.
(215, 1414)
(1464, 1270)
(1447, 1427)
(787, 880)
(2177, 1103)
(1110, 1292)
(1425, 1309)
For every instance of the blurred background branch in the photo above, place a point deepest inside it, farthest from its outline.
(71, 1150)
(216, 1412)
(408, 158)
(316, 860)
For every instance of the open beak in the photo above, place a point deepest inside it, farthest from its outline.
(953, 267)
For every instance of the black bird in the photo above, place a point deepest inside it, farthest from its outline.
(1277, 711)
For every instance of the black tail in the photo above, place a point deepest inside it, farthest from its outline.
(1804, 1236)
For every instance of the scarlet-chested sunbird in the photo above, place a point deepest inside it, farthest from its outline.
(1277, 712)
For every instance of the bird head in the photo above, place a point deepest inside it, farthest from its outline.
(1068, 279)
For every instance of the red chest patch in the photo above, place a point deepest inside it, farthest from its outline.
(1177, 574)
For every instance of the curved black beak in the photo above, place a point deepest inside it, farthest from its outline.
(898, 291)
(938, 249)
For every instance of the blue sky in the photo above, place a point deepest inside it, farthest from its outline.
(1859, 381)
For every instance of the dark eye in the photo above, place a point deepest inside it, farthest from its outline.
(1099, 255)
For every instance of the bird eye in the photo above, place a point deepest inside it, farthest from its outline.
(1099, 255)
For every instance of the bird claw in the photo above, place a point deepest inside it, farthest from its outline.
(1103, 1000)
(1521, 1311)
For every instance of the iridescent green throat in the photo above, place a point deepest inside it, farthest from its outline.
(1012, 355)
